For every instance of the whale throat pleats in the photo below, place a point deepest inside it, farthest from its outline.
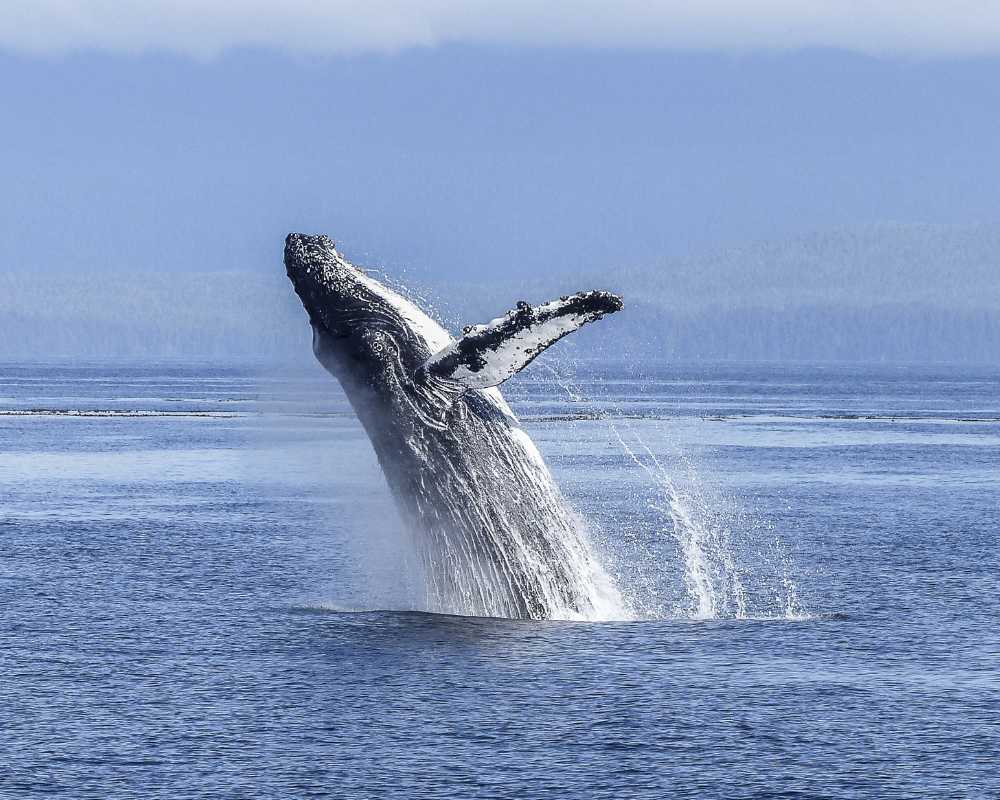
(487, 355)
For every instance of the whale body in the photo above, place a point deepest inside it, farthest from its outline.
(498, 538)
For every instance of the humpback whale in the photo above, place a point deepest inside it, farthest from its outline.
(498, 537)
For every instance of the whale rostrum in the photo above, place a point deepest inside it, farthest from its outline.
(496, 536)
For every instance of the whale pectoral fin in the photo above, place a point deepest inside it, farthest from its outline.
(489, 354)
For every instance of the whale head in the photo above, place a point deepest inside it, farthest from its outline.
(362, 329)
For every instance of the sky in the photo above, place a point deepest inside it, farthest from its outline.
(475, 139)
(208, 27)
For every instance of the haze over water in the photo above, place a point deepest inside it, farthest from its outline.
(205, 592)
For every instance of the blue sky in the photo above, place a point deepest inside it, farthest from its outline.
(479, 153)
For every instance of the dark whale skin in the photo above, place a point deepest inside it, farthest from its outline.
(499, 539)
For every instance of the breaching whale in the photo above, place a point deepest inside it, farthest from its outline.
(498, 537)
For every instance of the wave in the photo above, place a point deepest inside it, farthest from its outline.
(111, 412)
(324, 608)
(845, 417)
(142, 413)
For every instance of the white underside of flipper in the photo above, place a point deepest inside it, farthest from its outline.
(489, 354)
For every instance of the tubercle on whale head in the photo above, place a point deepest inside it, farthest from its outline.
(306, 254)
(325, 283)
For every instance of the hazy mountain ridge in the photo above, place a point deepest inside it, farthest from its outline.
(951, 266)
(888, 292)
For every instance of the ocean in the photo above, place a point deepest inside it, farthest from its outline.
(205, 591)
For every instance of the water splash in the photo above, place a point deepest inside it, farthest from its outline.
(732, 563)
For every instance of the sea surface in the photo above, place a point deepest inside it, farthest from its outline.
(205, 591)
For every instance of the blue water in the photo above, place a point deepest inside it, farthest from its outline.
(204, 592)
